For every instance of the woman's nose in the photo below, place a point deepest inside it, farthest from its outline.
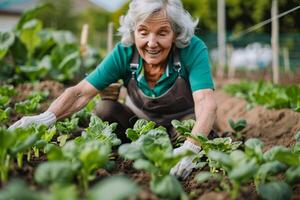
(152, 41)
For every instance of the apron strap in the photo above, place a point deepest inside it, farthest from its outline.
(134, 63)
(176, 60)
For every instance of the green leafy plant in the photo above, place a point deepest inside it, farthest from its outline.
(236, 165)
(31, 52)
(267, 94)
(123, 189)
(102, 131)
(153, 153)
(32, 104)
(14, 144)
(237, 127)
(81, 157)
(67, 125)
(141, 127)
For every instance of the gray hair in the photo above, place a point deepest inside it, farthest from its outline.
(181, 21)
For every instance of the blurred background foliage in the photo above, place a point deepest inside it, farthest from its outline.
(66, 15)
(240, 15)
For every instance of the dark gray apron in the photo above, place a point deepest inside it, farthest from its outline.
(175, 103)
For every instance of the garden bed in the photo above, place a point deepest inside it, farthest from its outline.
(273, 127)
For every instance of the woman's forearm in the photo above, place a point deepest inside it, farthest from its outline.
(204, 121)
(205, 112)
(72, 99)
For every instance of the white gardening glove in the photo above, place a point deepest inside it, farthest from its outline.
(47, 118)
(185, 166)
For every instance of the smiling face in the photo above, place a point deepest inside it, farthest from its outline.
(153, 39)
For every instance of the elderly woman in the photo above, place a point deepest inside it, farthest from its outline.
(165, 69)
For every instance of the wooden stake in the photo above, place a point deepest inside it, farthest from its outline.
(83, 40)
(110, 32)
(274, 41)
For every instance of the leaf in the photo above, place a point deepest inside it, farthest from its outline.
(53, 152)
(54, 172)
(166, 187)
(94, 154)
(18, 190)
(62, 139)
(237, 126)
(130, 151)
(29, 36)
(65, 192)
(220, 157)
(131, 134)
(275, 191)
(269, 169)
(30, 14)
(271, 153)
(67, 125)
(244, 171)
(183, 126)
(253, 148)
(288, 157)
(6, 41)
(122, 188)
(205, 176)
(293, 175)
(102, 131)
(145, 165)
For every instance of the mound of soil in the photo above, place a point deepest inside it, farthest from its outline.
(54, 88)
(273, 127)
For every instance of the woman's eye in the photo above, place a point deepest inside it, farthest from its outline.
(163, 33)
(143, 32)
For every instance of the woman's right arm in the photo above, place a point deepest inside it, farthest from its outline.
(69, 102)
(73, 99)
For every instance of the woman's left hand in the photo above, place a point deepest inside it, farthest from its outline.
(185, 166)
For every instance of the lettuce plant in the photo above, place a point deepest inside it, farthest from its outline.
(4, 115)
(7, 90)
(31, 104)
(141, 127)
(67, 125)
(14, 144)
(26, 140)
(153, 153)
(123, 189)
(237, 127)
(31, 52)
(236, 165)
(102, 131)
(182, 128)
(80, 156)
(267, 94)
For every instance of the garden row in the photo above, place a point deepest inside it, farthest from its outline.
(68, 162)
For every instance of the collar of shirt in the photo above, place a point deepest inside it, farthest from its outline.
(141, 73)
(162, 84)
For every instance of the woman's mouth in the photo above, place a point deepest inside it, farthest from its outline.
(153, 52)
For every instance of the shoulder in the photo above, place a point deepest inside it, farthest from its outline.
(196, 50)
(122, 51)
(196, 45)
